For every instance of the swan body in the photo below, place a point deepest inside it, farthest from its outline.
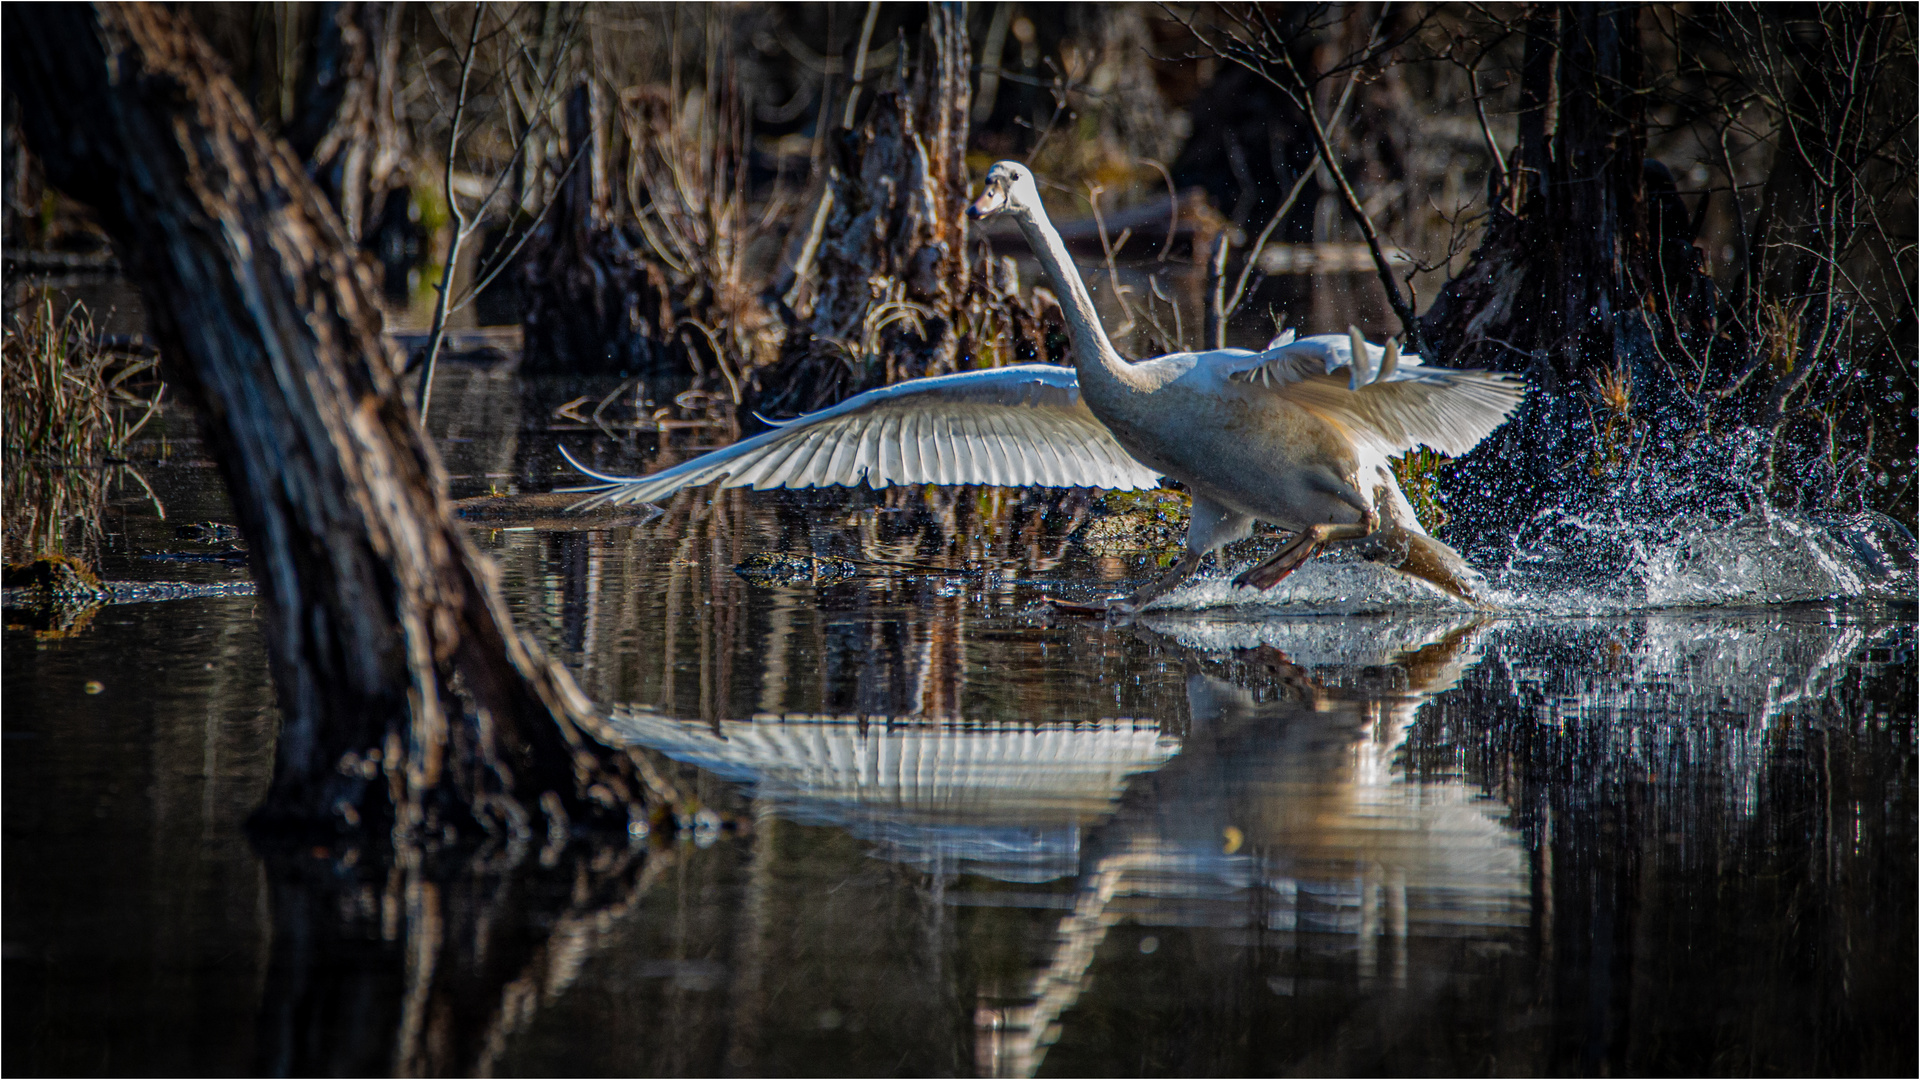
(1300, 434)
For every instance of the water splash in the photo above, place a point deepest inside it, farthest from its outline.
(1333, 583)
(1774, 559)
(1343, 642)
(1573, 563)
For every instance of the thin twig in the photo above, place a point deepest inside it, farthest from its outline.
(438, 335)
(1094, 191)
(1299, 185)
(1408, 320)
(475, 290)
(1216, 291)
(859, 65)
(1173, 209)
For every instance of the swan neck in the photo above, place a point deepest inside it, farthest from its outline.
(1094, 356)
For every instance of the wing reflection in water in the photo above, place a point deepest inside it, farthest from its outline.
(1005, 800)
(1277, 809)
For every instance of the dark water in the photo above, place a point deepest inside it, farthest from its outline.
(961, 838)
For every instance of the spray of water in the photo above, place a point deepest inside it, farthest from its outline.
(1689, 528)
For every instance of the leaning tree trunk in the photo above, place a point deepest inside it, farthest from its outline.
(405, 694)
(1582, 281)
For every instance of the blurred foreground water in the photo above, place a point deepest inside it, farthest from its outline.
(1347, 828)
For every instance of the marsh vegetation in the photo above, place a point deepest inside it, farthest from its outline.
(397, 783)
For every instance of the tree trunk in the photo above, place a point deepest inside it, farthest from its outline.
(893, 294)
(878, 276)
(343, 124)
(592, 305)
(405, 694)
(1578, 290)
(1581, 227)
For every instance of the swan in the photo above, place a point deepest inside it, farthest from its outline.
(1300, 434)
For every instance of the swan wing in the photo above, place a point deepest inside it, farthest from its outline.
(1406, 403)
(1002, 426)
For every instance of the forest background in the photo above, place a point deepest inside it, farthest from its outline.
(1692, 226)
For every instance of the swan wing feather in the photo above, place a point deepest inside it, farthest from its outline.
(1002, 425)
(1408, 405)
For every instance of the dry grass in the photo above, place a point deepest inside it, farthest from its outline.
(1419, 473)
(1616, 430)
(67, 419)
(686, 179)
(1780, 333)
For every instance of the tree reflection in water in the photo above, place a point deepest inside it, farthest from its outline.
(431, 970)
(944, 836)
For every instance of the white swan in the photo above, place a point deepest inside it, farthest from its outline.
(1299, 435)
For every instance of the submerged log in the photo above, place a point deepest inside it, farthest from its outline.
(406, 697)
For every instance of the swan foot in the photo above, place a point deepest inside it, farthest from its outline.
(1112, 605)
(1304, 545)
(1269, 573)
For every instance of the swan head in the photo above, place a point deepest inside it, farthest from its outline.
(1009, 187)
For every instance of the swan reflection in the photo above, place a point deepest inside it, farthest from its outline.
(1007, 800)
(1277, 804)
(1285, 815)
(969, 827)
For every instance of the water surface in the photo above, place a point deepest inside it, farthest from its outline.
(1355, 832)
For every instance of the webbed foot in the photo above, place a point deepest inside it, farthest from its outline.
(1268, 574)
(1112, 605)
(1301, 548)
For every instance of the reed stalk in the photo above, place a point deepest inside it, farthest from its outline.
(67, 414)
